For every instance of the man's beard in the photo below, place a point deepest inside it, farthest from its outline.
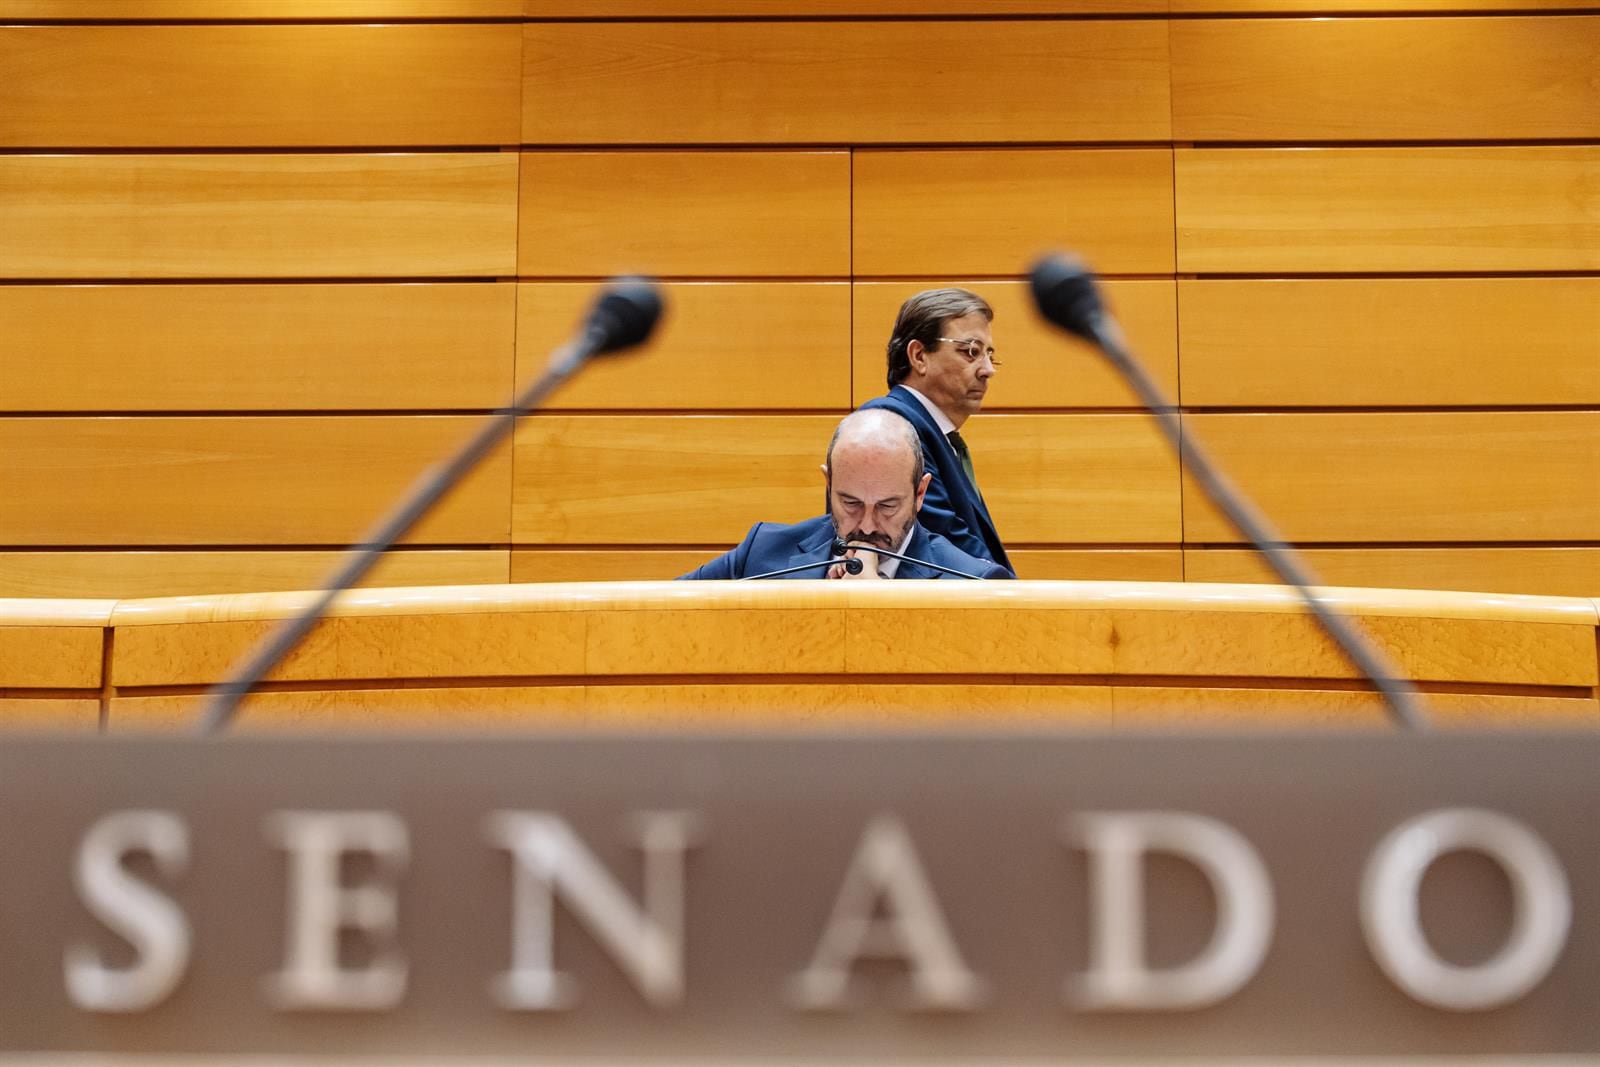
(879, 539)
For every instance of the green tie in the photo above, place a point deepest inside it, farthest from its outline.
(964, 455)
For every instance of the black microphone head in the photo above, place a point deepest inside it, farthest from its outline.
(624, 315)
(1065, 293)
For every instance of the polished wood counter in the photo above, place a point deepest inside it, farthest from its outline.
(802, 653)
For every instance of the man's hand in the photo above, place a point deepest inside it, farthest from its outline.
(869, 565)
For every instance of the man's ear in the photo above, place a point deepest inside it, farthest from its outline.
(917, 356)
(922, 488)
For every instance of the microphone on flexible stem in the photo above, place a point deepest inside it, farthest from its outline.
(622, 318)
(840, 547)
(851, 566)
(1066, 296)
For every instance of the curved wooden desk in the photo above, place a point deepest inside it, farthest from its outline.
(806, 653)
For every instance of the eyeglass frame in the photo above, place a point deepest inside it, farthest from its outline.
(963, 346)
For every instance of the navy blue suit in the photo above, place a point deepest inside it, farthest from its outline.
(770, 546)
(953, 508)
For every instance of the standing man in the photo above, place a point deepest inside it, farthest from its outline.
(874, 485)
(941, 357)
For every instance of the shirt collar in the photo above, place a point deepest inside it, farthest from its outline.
(946, 427)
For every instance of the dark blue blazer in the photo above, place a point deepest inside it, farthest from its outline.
(953, 509)
(771, 547)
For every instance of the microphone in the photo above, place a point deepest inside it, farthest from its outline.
(623, 317)
(851, 566)
(840, 547)
(1065, 294)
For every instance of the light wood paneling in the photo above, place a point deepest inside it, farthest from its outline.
(294, 480)
(255, 347)
(774, 8)
(1367, 79)
(257, 215)
(1396, 477)
(661, 480)
(720, 345)
(1317, 7)
(50, 713)
(1390, 341)
(854, 82)
(589, 214)
(606, 565)
(138, 86)
(1388, 209)
(615, 480)
(1044, 367)
(51, 657)
(1098, 564)
(971, 213)
(198, 572)
(1541, 571)
(248, 10)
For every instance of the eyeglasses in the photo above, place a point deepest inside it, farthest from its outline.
(973, 349)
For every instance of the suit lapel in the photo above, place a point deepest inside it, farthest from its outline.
(917, 548)
(814, 547)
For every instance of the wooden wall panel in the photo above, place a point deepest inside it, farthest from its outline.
(1390, 341)
(249, 10)
(255, 347)
(1098, 564)
(294, 480)
(994, 211)
(1387, 209)
(845, 82)
(607, 564)
(739, 345)
(257, 216)
(50, 713)
(590, 214)
(1366, 79)
(1412, 476)
(705, 480)
(1538, 571)
(277, 85)
(775, 8)
(1044, 367)
(1385, 7)
(195, 572)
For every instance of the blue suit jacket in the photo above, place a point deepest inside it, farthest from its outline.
(771, 547)
(953, 509)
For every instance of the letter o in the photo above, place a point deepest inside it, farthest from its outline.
(1541, 908)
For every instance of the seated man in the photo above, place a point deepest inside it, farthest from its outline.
(875, 484)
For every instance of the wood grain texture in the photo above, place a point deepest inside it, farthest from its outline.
(50, 657)
(969, 213)
(258, 215)
(50, 713)
(719, 345)
(255, 347)
(278, 85)
(620, 480)
(1540, 571)
(1390, 341)
(1388, 209)
(1375, 79)
(592, 214)
(1318, 7)
(295, 480)
(605, 564)
(249, 10)
(1044, 367)
(193, 572)
(775, 8)
(1098, 564)
(1412, 476)
(844, 82)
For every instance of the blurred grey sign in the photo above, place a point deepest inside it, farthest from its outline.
(679, 899)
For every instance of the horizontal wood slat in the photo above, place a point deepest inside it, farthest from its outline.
(195, 572)
(51, 657)
(241, 86)
(1043, 367)
(1412, 476)
(685, 213)
(258, 215)
(776, 8)
(1369, 79)
(614, 480)
(1318, 7)
(1539, 571)
(1390, 341)
(255, 347)
(295, 480)
(938, 212)
(249, 10)
(1388, 209)
(793, 83)
(747, 345)
(1098, 564)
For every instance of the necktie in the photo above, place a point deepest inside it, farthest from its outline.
(964, 455)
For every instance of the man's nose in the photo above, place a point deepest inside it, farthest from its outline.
(985, 367)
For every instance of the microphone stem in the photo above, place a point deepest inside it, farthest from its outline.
(361, 557)
(1399, 693)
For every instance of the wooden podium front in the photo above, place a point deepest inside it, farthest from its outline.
(800, 654)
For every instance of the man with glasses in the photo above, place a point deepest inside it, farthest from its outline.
(941, 357)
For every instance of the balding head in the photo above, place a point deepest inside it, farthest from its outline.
(874, 477)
